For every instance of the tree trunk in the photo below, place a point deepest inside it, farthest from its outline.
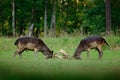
(13, 17)
(66, 17)
(32, 23)
(30, 30)
(2, 22)
(53, 20)
(108, 18)
(45, 19)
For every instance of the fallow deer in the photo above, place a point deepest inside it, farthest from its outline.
(93, 42)
(33, 44)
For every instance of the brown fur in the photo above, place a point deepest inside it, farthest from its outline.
(33, 44)
(94, 42)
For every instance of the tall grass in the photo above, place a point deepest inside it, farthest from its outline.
(30, 67)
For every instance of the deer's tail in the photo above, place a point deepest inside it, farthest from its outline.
(106, 42)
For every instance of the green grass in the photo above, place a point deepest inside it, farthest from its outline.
(30, 67)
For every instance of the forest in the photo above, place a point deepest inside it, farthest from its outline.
(58, 17)
(61, 24)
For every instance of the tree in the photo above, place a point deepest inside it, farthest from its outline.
(108, 18)
(53, 19)
(45, 18)
(2, 17)
(13, 17)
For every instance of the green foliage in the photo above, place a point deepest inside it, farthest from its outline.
(115, 16)
(96, 16)
(87, 16)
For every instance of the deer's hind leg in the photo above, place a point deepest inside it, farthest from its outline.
(99, 49)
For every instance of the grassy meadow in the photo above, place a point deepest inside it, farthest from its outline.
(30, 67)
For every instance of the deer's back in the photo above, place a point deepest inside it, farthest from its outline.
(92, 42)
(29, 42)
